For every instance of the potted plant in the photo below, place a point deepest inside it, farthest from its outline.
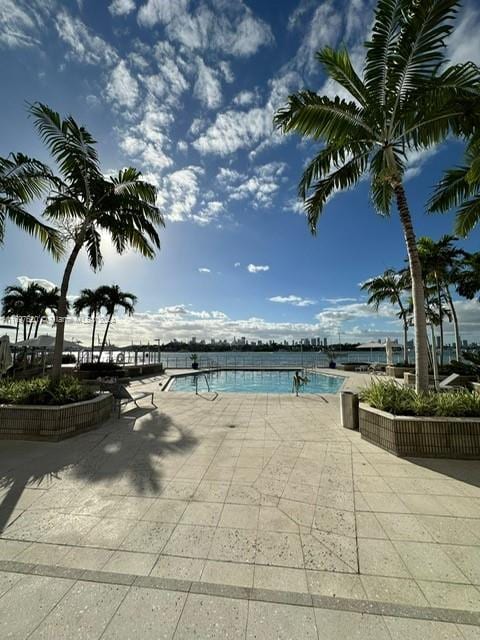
(331, 360)
(194, 359)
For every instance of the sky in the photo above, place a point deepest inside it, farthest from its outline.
(185, 90)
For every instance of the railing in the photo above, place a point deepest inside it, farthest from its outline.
(196, 383)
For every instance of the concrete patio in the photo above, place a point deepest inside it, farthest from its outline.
(247, 516)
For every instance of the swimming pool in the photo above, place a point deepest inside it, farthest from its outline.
(256, 382)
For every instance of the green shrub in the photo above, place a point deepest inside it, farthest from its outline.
(388, 396)
(43, 391)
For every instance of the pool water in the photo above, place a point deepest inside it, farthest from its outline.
(256, 382)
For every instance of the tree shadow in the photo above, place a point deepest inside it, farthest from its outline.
(126, 452)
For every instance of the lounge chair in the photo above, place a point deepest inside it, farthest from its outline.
(376, 368)
(123, 396)
(447, 382)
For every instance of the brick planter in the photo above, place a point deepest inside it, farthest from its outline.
(53, 423)
(421, 437)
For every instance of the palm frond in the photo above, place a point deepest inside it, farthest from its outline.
(452, 190)
(468, 216)
(339, 67)
(321, 117)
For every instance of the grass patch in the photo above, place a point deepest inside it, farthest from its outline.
(42, 391)
(404, 401)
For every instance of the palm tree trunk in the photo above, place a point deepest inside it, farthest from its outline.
(37, 325)
(17, 329)
(440, 317)
(93, 332)
(105, 335)
(421, 345)
(62, 310)
(458, 342)
(405, 342)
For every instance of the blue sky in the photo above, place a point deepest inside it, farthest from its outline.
(185, 90)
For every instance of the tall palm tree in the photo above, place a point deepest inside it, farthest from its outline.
(114, 297)
(408, 99)
(92, 301)
(390, 287)
(47, 300)
(22, 303)
(441, 261)
(460, 188)
(85, 204)
(22, 179)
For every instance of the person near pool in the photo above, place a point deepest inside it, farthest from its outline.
(298, 381)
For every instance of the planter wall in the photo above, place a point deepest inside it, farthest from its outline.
(408, 436)
(31, 422)
(397, 372)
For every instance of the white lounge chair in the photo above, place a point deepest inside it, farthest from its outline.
(447, 382)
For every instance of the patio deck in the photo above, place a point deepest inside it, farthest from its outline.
(250, 516)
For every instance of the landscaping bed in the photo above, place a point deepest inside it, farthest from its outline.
(428, 425)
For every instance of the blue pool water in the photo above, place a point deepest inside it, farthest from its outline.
(256, 382)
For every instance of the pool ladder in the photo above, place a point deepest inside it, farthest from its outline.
(196, 383)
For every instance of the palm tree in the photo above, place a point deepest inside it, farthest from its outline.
(441, 262)
(390, 287)
(22, 179)
(408, 99)
(22, 303)
(114, 297)
(92, 301)
(85, 204)
(460, 187)
(468, 276)
(47, 300)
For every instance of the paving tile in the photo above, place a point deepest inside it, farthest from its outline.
(368, 526)
(271, 621)
(275, 519)
(131, 508)
(401, 628)
(41, 593)
(212, 618)
(108, 533)
(203, 513)
(467, 559)
(178, 568)
(155, 610)
(235, 545)
(243, 494)
(231, 573)
(131, 562)
(7, 580)
(209, 491)
(450, 530)
(324, 551)
(335, 585)
(299, 512)
(394, 590)
(279, 549)
(334, 521)
(10, 549)
(239, 516)
(403, 526)
(379, 557)
(165, 510)
(428, 562)
(280, 579)
(191, 541)
(85, 558)
(449, 595)
(83, 613)
(385, 502)
(148, 536)
(469, 632)
(333, 625)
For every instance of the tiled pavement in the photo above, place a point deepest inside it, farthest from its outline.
(247, 516)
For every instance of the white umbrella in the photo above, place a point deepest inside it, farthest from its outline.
(6, 360)
(48, 343)
(389, 350)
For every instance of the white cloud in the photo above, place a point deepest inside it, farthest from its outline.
(296, 301)
(84, 45)
(178, 193)
(245, 98)
(236, 265)
(207, 87)
(260, 187)
(122, 88)
(230, 28)
(209, 212)
(26, 280)
(121, 7)
(416, 159)
(22, 21)
(233, 130)
(162, 11)
(339, 300)
(204, 270)
(464, 44)
(256, 268)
